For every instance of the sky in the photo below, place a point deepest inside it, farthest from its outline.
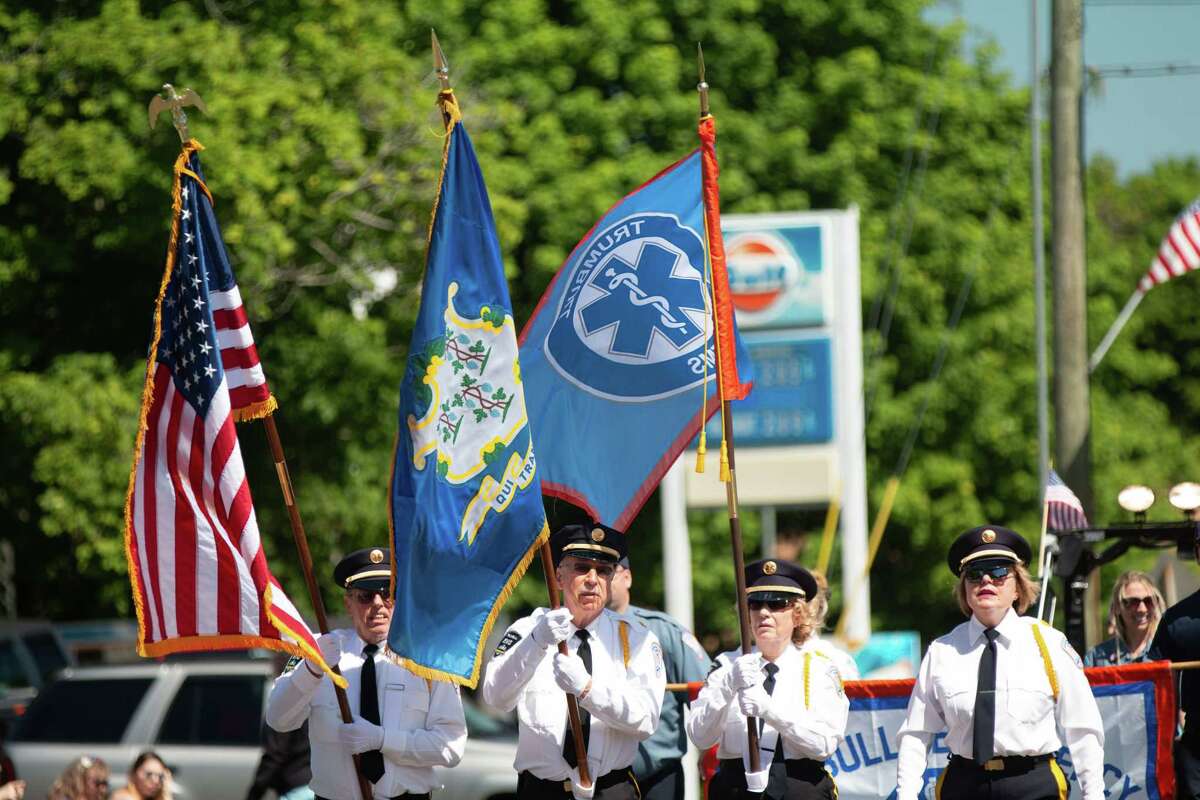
(1134, 120)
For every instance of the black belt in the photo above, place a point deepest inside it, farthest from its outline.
(802, 769)
(1005, 765)
(603, 782)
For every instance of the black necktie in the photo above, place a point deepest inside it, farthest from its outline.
(585, 719)
(368, 709)
(769, 684)
(983, 740)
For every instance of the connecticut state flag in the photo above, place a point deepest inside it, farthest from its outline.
(621, 358)
(466, 505)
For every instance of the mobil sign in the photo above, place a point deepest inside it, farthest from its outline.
(779, 269)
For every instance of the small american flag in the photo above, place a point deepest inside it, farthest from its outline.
(1063, 509)
(199, 574)
(1179, 251)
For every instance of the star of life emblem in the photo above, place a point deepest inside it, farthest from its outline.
(634, 322)
(474, 411)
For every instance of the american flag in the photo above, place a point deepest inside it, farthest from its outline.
(1063, 509)
(1179, 251)
(200, 577)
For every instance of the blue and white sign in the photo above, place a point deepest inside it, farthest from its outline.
(792, 401)
(779, 271)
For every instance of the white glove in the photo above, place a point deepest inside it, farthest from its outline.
(754, 701)
(747, 671)
(360, 736)
(552, 627)
(570, 674)
(580, 792)
(331, 651)
(756, 782)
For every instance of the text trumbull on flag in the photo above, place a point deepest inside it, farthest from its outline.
(199, 573)
(634, 345)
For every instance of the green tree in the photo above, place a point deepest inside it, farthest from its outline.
(323, 150)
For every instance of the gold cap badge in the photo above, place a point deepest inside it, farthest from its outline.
(770, 567)
(376, 556)
(989, 536)
(597, 535)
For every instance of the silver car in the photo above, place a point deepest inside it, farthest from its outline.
(204, 718)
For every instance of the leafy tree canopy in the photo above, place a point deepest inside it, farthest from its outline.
(323, 149)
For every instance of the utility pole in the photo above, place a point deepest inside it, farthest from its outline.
(1072, 413)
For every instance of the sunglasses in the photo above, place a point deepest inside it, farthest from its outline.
(774, 605)
(1134, 602)
(364, 597)
(997, 574)
(157, 777)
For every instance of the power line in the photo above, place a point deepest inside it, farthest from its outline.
(1143, 70)
(1141, 2)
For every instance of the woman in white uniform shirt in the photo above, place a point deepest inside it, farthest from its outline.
(1008, 690)
(796, 695)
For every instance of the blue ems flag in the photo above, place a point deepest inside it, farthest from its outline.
(621, 349)
(466, 504)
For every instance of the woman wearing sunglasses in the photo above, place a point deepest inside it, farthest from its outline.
(1133, 616)
(797, 696)
(1008, 690)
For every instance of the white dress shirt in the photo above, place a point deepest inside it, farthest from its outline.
(624, 702)
(845, 663)
(1028, 719)
(423, 723)
(813, 730)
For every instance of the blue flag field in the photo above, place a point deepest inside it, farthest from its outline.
(620, 352)
(466, 504)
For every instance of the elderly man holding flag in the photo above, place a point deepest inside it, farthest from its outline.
(615, 669)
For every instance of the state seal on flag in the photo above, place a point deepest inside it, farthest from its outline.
(633, 323)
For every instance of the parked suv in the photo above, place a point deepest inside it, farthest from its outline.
(31, 654)
(204, 718)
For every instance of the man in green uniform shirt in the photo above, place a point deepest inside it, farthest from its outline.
(659, 765)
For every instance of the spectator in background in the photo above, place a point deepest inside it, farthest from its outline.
(13, 790)
(284, 766)
(1133, 616)
(819, 607)
(8, 771)
(85, 778)
(149, 779)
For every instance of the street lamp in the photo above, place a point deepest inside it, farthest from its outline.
(1136, 499)
(1186, 497)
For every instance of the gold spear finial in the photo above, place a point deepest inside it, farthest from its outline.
(175, 103)
(702, 86)
(439, 62)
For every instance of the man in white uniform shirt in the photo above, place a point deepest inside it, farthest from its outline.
(614, 668)
(403, 725)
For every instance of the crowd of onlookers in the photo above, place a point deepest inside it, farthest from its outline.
(88, 778)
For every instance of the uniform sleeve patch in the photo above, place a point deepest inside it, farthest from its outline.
(291, 664)
(836, 678)
(1071, 654)
(510, 638)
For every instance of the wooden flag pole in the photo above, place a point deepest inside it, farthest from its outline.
(174, 102)
(314, 592)
(731, 498)
(585, 778)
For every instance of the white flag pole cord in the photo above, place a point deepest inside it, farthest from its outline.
(1115, 329)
